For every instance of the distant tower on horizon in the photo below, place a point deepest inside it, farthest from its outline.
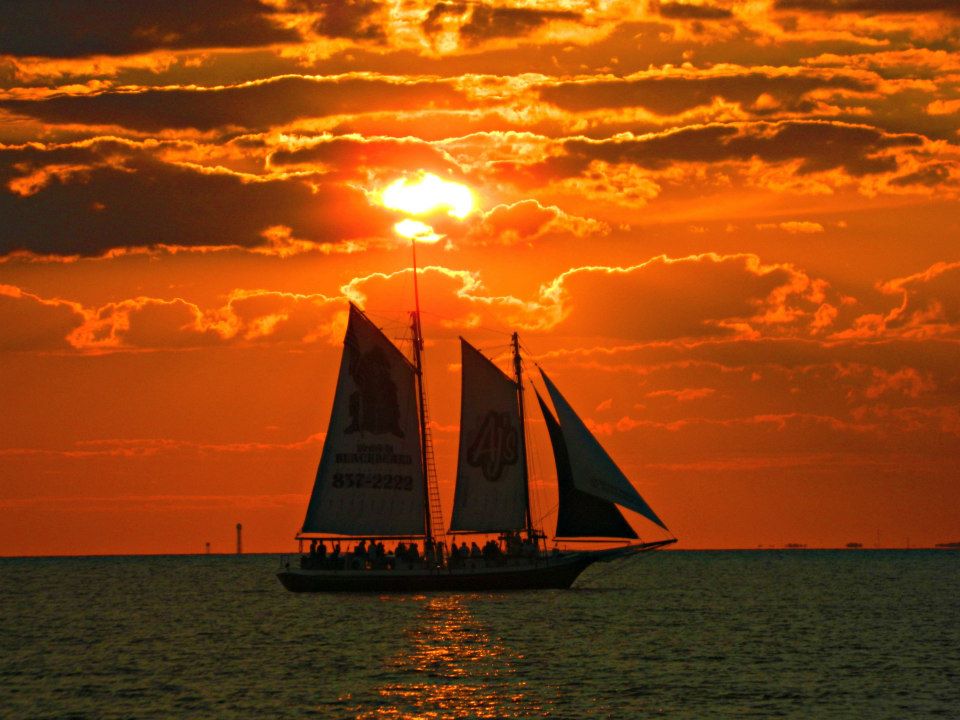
(208, 547)
(239, 539)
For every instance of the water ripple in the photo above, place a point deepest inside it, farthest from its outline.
(678, 635)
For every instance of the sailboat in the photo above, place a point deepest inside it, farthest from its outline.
(376, 482)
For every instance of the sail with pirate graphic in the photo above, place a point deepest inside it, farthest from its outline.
(376, 482)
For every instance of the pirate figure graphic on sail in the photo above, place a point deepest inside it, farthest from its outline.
(373, 405)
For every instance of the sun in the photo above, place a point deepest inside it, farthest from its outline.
(416, 230)
(426, 194)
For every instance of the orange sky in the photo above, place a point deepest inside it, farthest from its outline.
(729, 230)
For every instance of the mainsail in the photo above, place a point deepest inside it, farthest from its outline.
(370, 478)
(491, 490)
(580, 514)
(593, 471)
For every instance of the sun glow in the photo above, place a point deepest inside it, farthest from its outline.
(426, 194)
(416, 230)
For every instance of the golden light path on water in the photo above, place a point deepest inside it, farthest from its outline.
(452, 668)
(423, 195)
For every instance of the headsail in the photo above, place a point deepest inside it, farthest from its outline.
(594, 472)
(580, 514)
(370, 478)
(490, 494)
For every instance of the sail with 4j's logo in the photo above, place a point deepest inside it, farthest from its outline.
(374, 482)
(495, 445)
(489, 451)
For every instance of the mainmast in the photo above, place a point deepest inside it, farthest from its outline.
(418, 365)
(518, 372)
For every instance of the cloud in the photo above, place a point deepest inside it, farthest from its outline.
(794, 227)
(268, 316)
(907, 381)
(475, 23)
(351, 155)
(708, 295)
(255, 105)
(672, 92)
(693, 11)
(931, 176)
(92, 197)
(522, 222)
(858, 149)
(928, 306)
(684, 395)
(64, 29)
(351, 19)
(33, 323)
(943, 107)
(144, 323)
(247, 317)
(870, 6)
(812, 157)
(929, 301)
(725, 305)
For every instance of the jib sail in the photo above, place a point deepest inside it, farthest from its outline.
(592, 469)
(580, 514)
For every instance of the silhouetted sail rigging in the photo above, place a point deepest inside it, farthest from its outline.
(491, 491)
(370, 477)
(592, 469)
(580, 514)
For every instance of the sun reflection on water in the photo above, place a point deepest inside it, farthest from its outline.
(453, 668)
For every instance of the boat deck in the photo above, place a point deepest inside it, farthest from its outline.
(519, 573)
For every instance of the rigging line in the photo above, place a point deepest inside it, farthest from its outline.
(548, 513)
(479, 328)
(492, 352)
(386, 324)
(495, 358)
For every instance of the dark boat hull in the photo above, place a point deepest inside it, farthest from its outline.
(549, 573)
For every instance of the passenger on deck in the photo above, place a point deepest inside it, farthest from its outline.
(474, 550)
(513, 543)
(321, 550)
(529, 548)
(360, 550)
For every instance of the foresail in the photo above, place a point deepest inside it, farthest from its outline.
(490, 494)
(594, 472)
(580, 514)
(370, 478)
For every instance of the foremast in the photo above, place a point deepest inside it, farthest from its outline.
(432, 515)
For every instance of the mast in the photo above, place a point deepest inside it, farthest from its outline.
(418, 365)
(518, 371)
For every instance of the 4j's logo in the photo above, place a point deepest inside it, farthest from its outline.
(495, 445)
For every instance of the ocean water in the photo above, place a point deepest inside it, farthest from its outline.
(766, 634)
